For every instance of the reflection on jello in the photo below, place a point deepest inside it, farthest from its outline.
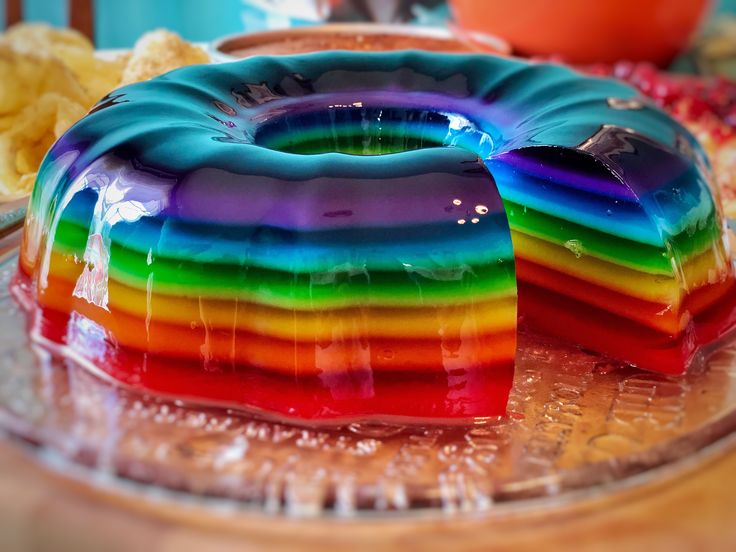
(339, 236)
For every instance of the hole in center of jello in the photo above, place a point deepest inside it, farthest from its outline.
(357, 130)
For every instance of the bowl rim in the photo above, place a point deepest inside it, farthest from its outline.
(220, 48)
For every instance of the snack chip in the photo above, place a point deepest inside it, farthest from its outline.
(26, 76)
(36, 128)
(158, 52)
(97, 77)
(38, 36)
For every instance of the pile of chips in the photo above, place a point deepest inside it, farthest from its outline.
(50, 78)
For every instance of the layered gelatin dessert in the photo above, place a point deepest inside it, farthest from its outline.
(345, 236)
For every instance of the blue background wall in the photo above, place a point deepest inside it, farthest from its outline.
(119, 22)
(53, 11)
(193, 19)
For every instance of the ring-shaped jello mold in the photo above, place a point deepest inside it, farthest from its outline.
(231, 232)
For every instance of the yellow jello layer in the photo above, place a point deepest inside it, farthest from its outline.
(701, 270)
(416, 323)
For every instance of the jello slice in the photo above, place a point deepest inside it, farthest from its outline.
(339, 236)
(403, 284)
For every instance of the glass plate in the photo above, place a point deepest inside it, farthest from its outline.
(575, 423)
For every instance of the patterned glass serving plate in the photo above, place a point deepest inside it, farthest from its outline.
(577, 426)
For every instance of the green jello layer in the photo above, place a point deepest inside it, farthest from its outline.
(292, 290)
(635, 255)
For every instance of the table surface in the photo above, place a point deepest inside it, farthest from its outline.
(39, 511)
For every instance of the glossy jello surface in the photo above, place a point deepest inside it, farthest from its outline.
(342, 235)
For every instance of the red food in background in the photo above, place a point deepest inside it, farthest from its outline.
(587, 31)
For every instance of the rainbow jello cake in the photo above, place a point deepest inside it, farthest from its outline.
(343, 236)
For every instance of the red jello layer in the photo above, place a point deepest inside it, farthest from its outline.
(621, 338)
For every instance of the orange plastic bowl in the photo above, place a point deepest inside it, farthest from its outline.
(587, 31)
